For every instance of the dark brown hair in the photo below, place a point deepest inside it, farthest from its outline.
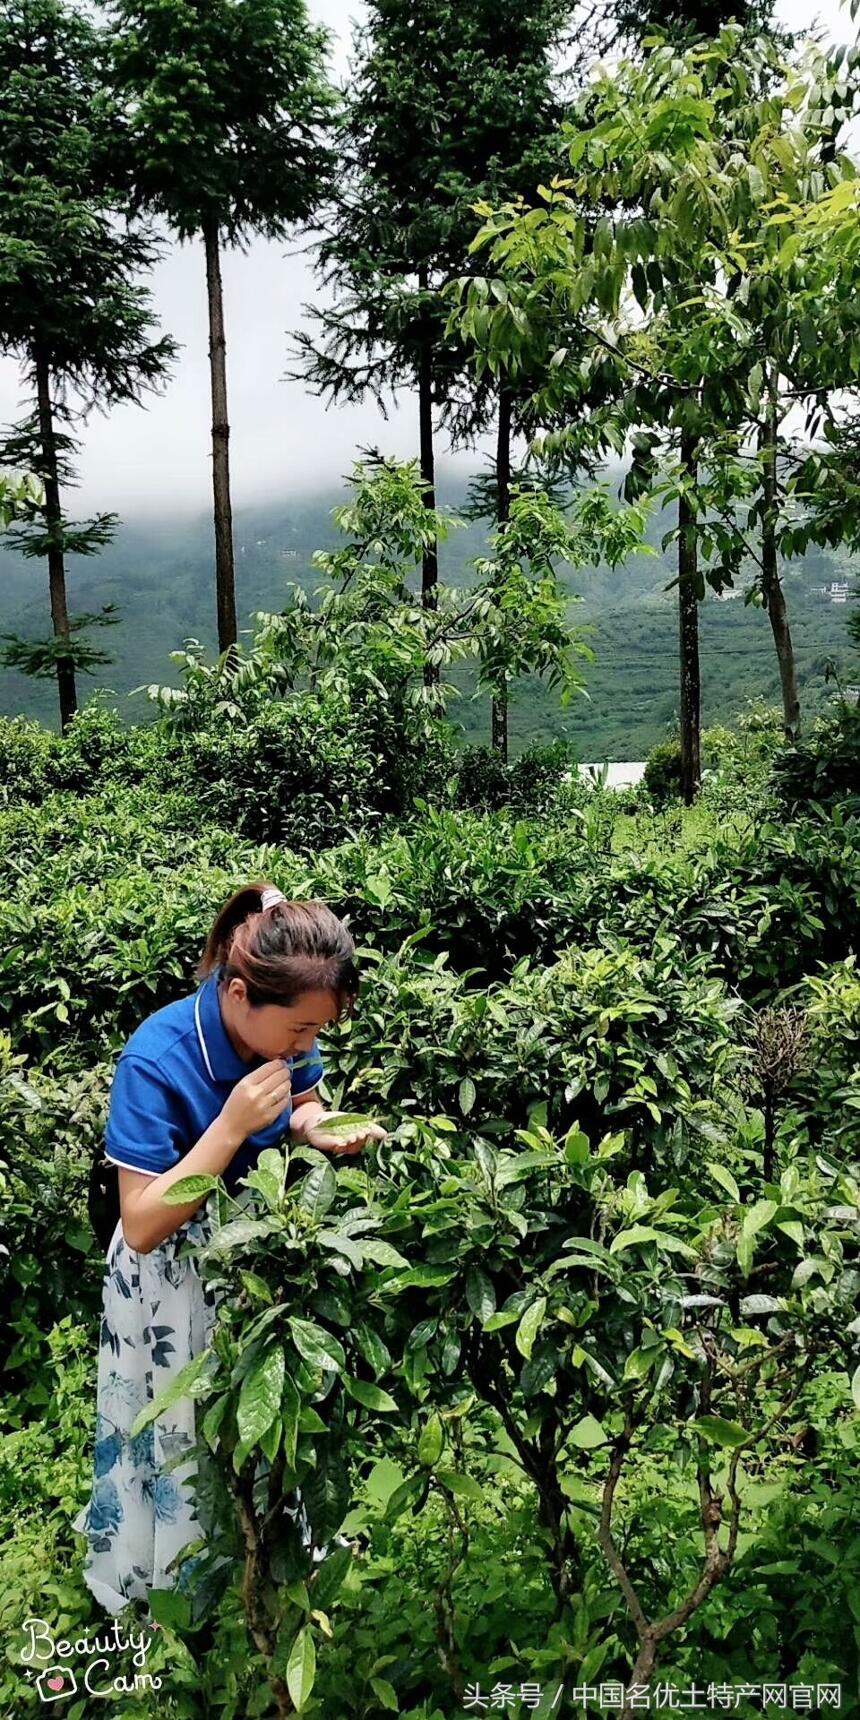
(288, 949)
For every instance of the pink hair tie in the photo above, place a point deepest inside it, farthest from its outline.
(270, 899)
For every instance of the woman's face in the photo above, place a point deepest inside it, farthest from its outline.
(272, 1029)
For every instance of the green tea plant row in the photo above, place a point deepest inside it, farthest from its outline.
(614, 1233)
(592, 1313)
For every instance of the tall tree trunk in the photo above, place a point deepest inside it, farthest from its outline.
(225, 578)
(499, 709)
(430, 559)
(771, 584)
(688, 617)
(54, 518)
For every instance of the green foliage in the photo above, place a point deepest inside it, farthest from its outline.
(72, 309)
(164, 568)
(17, 496)
(658, 307)
(27, 751)
(479, 110)
(96, 749)
(541, 781)
(218, 99)
(583, 1327)
(662, 776)
(829, 1083)
(41, 658)
(365, 646)
(519, 607)
(607, 1221)
(684, 1346)
(825, 768)
(302, 772)
(77, 297)
(47, 1253)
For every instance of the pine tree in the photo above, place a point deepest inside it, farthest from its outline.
(72, 309)
(448, 104)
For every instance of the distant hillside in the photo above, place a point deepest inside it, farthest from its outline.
(160, 574)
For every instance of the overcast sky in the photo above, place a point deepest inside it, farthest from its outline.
(283, 441)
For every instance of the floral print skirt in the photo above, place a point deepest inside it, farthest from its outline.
(156, 1316)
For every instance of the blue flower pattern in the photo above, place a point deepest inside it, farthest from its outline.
(107, 1453)
(105, 1511)
(165, 1496)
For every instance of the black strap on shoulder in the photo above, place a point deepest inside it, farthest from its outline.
(103, 1198)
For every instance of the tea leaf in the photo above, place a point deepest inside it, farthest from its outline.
(301, 1668)
(260, 1396)
(315, 1345)
(189, 1188)
(529, 1327)
(728, 1433)
(371, 1396)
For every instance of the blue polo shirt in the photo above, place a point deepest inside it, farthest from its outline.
(172, 1080)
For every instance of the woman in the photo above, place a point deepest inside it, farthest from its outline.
(203, 1085)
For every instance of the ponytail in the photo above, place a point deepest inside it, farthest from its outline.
(246, 901)
(281, 949)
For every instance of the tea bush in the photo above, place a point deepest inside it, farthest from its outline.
(825, 768)
(737, 763)
(662, 777)
(542, 781)
(94, 935)
(616, 1219)
(827, 1088)
(449, 1253)
(49, 1260)
(27, 753)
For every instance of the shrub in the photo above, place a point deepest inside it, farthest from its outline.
(604, 1035)
(303, 771)
(96, 748)
(86, 839)
(483, 890)
(541, 781)
(483, 779)
(747, 750)
(662, 776)
(825, 768)
(828, 1091)
(553, 1032)
(27, 755)
(454, 1288)
(108, 922)
(298, 773)
(49, 1257)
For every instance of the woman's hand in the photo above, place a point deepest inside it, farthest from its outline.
(316, 1135)
(257, 1100)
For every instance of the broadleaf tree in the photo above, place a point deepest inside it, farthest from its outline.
(652, 263)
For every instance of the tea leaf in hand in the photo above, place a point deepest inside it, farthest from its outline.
(342, 1124)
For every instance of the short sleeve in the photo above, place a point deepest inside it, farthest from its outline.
(307, 1070)
(145, 1129)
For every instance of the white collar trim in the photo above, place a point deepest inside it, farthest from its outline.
(203, 1046)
